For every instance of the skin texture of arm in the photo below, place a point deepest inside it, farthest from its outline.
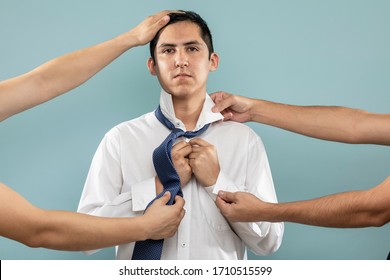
(66, 72)
(63, 230)
(333, 123)
(343, 210)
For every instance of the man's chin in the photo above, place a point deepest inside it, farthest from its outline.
(180, 92)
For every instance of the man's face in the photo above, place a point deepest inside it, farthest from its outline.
(182, 60)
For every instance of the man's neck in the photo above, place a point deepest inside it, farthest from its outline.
(188, 110)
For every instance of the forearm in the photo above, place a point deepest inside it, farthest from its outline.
(325, 122)
(343, 210)
(59, 75)
(69, 231)
(69, 71)
(62, 230)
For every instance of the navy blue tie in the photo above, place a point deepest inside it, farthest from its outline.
(162, 160)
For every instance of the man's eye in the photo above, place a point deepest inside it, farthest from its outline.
(192, 49)
(168, 51)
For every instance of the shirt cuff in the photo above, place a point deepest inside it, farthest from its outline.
(223, 184)
(143, 193)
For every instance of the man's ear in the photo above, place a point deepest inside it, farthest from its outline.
(151, 66)
(214, 60)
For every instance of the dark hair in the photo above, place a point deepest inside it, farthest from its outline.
(186, 16)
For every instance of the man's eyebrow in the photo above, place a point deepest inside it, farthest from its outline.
(164, 45)
(195, 42)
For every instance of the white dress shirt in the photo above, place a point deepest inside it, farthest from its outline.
(121, 182)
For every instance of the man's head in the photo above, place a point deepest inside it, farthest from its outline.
(186, 16)
(182, 56)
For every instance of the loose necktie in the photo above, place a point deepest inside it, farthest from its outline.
(163, 164)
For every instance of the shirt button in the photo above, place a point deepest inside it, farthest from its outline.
(183, 244)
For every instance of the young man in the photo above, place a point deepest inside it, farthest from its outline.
(344, 210)
(63, 230)
(227, 156)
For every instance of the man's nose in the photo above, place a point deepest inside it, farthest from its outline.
(181, 59)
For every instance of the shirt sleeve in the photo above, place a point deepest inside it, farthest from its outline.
(103, 195)
(262, 238)
(102, 189)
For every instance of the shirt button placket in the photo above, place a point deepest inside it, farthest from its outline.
(183, 236)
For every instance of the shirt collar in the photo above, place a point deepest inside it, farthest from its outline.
(206, 115)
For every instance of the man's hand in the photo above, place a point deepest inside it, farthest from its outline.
(232, 107)
(163, 220)
(144, 32)
(180, 153)
(241, 206)
(204, 162)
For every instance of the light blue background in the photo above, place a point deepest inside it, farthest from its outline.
(298, 52)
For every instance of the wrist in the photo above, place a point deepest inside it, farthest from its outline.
(255, 110)
(143, 228)
(128, 40)
(269, 212)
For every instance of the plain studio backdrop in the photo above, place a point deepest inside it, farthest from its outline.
(297, 52)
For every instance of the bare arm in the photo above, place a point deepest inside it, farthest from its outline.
(66, 72)
(343, 210)
(331, 123)
(63, 230)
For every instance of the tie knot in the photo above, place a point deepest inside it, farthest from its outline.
(177, 131)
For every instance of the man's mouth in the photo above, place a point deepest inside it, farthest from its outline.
(182, 75)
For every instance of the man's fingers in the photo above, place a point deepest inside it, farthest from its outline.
(164, 17)
(163, 21)
(222, 101)
(228, 197)
(165, 198)
(180, 145)
(179, 202)
(216, 96)
(222, 205)
(193, 155)
(160, 19)
(182, 148)
(220, 202)
(199, 142)
(227, 116)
